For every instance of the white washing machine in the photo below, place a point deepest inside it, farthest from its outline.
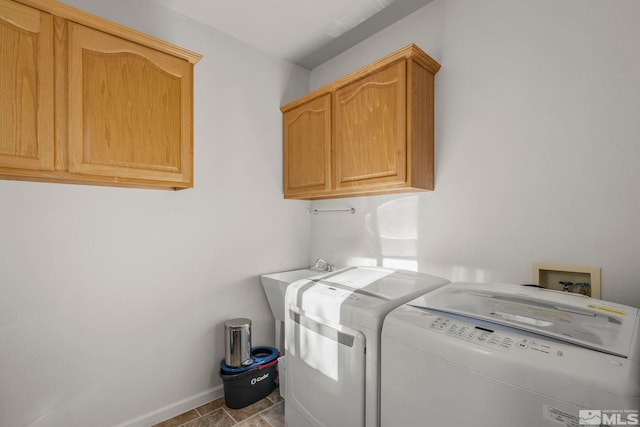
(507, 355)
(332, 335)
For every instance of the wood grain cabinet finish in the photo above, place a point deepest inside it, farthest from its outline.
(307, 148)
(381, 131)
(129, 109)
(369, 129)
(26, 87)
(119, 104)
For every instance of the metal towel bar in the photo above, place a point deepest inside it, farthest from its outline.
(319, 211)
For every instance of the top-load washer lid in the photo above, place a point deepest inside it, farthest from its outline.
(600, 325)
(385, 283)
(358, 295)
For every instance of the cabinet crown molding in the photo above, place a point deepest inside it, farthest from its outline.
(410, 51)
(78, 16)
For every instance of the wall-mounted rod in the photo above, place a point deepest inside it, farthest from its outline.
(319, 211)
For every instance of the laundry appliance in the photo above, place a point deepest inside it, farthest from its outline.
(507, 355)
(275, 287)
(332, 335)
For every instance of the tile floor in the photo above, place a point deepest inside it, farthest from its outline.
(268, 412)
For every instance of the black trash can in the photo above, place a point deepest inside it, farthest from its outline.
(246, 385)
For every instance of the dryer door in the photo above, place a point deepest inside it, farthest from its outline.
(325, 378)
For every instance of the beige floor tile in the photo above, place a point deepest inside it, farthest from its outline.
(179, 420)
(246, 412)
(210, 407)
(255, 421)
(217, 418)
(274, 415)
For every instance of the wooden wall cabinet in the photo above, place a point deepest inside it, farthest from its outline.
(370, 132)
(307, 148)
(89, 101)
(26, 87)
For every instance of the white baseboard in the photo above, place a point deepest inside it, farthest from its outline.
(177, 408)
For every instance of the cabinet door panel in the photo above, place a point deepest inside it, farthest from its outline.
(26, 87)
(370, 129)
(307, 148)
(130, 109)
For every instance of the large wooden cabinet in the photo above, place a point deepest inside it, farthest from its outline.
(370, 132)
(89, 101)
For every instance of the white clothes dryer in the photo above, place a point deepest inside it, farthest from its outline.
(332, 335)
(506, 355)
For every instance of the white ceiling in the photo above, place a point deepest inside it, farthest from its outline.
(307, 32)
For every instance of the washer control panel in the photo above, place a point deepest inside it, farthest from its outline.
(490, 337)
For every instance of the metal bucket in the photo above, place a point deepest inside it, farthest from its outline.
(237, 336)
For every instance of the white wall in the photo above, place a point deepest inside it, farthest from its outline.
(112, 301)
(537, 146)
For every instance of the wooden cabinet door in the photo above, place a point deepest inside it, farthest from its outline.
(370, 130)
(26, 87)
(307, 148)
(130, 110)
